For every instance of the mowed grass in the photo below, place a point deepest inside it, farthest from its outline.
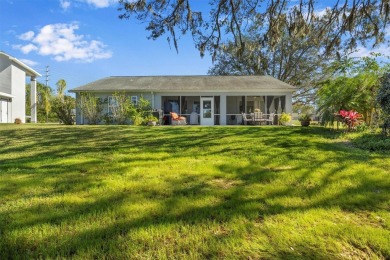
(190, 193)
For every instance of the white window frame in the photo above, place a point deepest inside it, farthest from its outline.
(134, 100)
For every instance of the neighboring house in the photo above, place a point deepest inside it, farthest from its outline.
(13, 75)
(217, 100)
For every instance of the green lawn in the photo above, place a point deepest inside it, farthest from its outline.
(190, 192)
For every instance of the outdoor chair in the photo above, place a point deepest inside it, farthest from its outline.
(246, 120)
(177, 120)
(270, 118)
(258, 117)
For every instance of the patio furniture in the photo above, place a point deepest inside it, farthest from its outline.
(177, 120)
(246, 120)
(194, 118)
(270, 118)
(258, 118)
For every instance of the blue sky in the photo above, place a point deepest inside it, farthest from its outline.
(84, 40)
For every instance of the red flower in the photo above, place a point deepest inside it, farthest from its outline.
(350, 118)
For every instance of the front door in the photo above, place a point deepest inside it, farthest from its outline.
(207, 111)
(3, 111)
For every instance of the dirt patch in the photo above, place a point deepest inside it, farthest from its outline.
(224, 183)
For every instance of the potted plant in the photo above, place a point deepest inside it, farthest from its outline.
(305, 119)
(151, 120)
(284, 118)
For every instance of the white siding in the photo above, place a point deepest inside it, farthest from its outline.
(5, 75)
(19, 91)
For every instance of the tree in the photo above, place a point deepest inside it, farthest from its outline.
(355, 88)
(63, 105)
(345, 23)
(63, 108)
(46, 97)
(91, 107)
(295, 60)
(44, 102)
(61, 86)
(383, 98)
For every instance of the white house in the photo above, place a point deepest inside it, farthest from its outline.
(217, 100)
(13, 75)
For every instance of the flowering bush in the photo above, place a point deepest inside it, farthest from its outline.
(350, 118)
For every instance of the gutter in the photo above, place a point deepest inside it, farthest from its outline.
(2, 94)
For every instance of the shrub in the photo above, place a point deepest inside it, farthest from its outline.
(18, 121)
(63, 106)
(383, 98)
(372, 142)
(350, 118)
(304, 117)
(91, 107)
(284, 118)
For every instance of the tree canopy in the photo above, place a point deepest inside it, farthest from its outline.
(343, 24)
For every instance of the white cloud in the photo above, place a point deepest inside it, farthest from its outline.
(365, 52)
(322, 13)
(61, 42)
(29, 62)
(65, 4)
(100, 3)
(27, 36)
(26, 49)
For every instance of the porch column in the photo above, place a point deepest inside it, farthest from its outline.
(288, 103)
(222, 109)
(33, 95)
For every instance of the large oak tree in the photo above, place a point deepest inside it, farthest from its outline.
(345, 22)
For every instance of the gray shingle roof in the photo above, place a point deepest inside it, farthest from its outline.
(186, 83)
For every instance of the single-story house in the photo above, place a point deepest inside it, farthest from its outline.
(13, 75)
(215, 100)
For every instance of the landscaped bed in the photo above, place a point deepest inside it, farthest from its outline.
(190, 192)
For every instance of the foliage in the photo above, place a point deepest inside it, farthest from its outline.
(151, 118)
(61, 86)
(350, 118)
(304, 117)
(294, 60)
(91, 107)
(63, 107)
(121, 192)
(300, 107)
(18, 121)
(46, 97)
(44, 103)
(121, 108)
(142, 110)
(345, 23)
(383, 99)
(355, 87)
(372, 142)
(284, 118)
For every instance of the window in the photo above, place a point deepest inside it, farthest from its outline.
(134, 100)
(112, 104)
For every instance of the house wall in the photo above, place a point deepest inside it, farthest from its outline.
(12, 82)
(5, 75)
(156, 97)
(80, 120)
(18, 78)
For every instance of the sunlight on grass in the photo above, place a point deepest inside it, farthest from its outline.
(190, 192)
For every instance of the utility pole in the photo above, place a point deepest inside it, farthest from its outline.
(47, 76)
